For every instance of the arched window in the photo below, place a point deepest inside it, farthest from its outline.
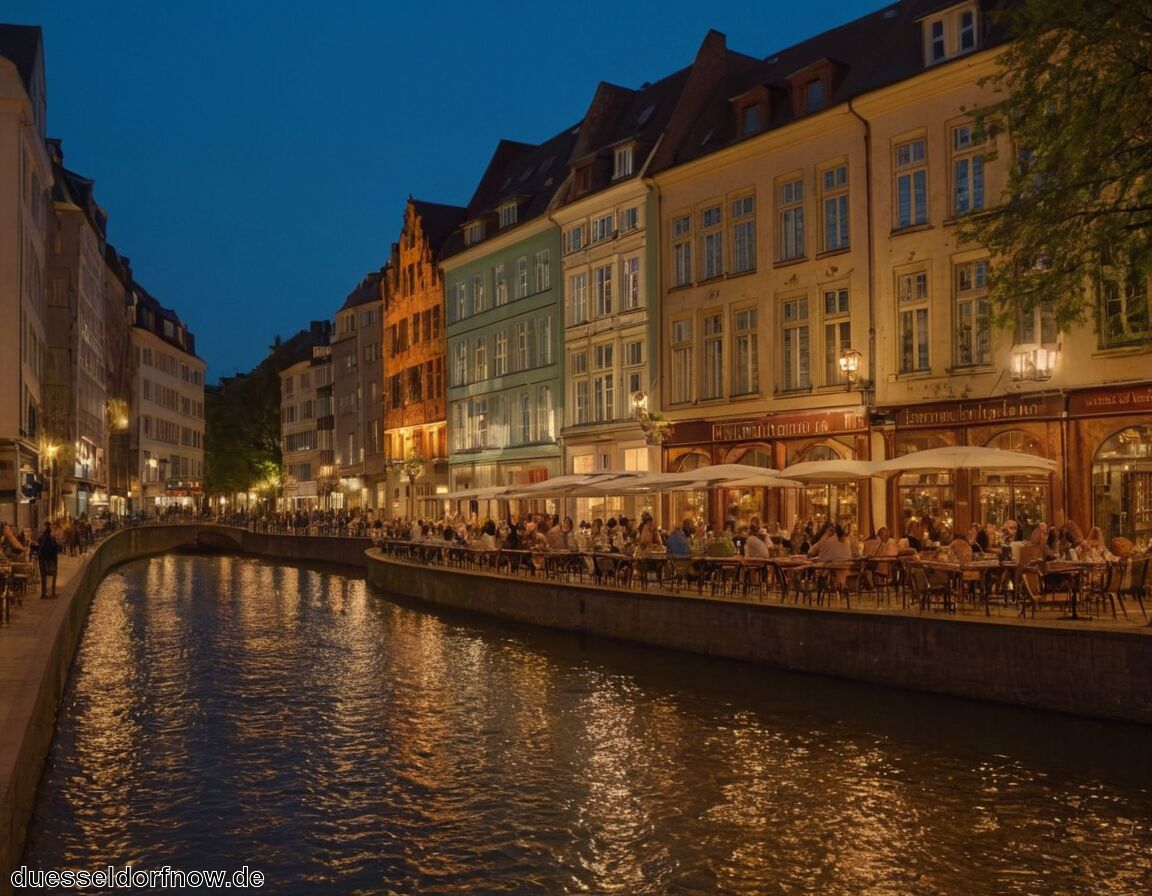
(1020, 498)
(824, 501)
(1122, 485)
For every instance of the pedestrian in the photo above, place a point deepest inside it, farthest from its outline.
(47, 550)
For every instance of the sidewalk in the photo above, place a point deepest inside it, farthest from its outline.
(34, 664)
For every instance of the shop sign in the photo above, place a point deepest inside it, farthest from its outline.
(796, 426)
(1111, 401)
(977, 412)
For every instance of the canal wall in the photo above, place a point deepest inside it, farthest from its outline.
(1065, 666)
(39, 650)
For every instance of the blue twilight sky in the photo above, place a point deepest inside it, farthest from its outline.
(255, 157)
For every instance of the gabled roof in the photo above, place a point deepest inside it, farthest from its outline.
(70, 187)
(437, 220)
(530, 174)
(366, 292)
(874, 51)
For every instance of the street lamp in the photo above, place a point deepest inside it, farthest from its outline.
(412, 468)
(849, 365)
(656, 429)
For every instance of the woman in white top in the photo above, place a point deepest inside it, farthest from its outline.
(833, 547)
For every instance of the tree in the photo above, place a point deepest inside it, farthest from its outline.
(1075, 224)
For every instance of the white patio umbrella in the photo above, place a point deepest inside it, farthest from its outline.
(571, 485)
(833, 470)
(718, 475)
(488, 492)
(968, 457)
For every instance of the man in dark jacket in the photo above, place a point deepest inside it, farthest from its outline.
(48, 550)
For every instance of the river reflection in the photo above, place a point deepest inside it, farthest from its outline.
(226, 712)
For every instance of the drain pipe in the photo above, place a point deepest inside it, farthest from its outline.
(883, 487)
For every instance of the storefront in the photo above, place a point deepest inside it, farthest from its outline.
(954, 499)
(771, 442)
(1110, 441)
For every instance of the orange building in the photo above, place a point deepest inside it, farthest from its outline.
(416, 444)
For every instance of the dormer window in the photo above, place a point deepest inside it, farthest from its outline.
(582, 178)
(508, 214)
(622, 162)
(813, 85)
(813, 96)
(950, 33)
(473, 233)
(751, 112)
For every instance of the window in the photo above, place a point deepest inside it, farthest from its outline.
(602, 290)
(524, 427)
(479, 417)
(622, 162)
(480, 360)
(479, 301)
(579, 362)
(501, 284)
(473, 233)
(507, 214)
(949, 35)
(1124, 317)
(912, 297)
(629, 219)
(544, 425)
(973, 322)
(746, 358)
(603, 398)
(911, 184)
(544, 339)
(711, 221)
(712, 383)
(461, 308)
(837, 333)
(578, 298)
(834, 204)
(682, 250)
(521, 276)
(630, 283)
(791, 214)
(967, 170)
(633, 353)
(582, 406)
(743, 234)
(460, 364)
(795, 348)
(543, 270)
(574, 238)
(813, 95)
(602, 228)
(682, 361)
(750, 120)
(523, 346)
(500, 355)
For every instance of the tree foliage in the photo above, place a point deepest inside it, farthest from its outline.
(242, 429)
(1076, 88)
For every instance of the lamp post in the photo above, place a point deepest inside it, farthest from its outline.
(656, 429)
(412, 468)
(51, 450)
(849, 366)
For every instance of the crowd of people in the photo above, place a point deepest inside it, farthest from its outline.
(24, 549)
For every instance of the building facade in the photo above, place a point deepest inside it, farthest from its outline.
(858, 326)
(503, 293)
(416, 439)
(357, 372)
(308, 424)
(75, 387)
(167, 429)
(25, 211)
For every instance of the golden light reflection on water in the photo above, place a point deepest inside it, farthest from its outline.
(225, 711)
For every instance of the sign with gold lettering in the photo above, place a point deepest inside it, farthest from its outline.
(1133, 400)
(1017, 408)
(791, 426)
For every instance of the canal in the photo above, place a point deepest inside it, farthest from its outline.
(226, 712)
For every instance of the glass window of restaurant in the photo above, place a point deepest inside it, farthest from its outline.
(1020, 498)
(823, 501)
(1122, 485)
(685, 504)
(744, 503)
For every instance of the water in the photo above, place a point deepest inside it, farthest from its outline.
(224, 712)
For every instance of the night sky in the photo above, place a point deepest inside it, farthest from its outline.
(254, 158)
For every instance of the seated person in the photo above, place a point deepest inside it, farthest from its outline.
(960, 550)
(755, 546)
(832, 547)
(680, 540)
